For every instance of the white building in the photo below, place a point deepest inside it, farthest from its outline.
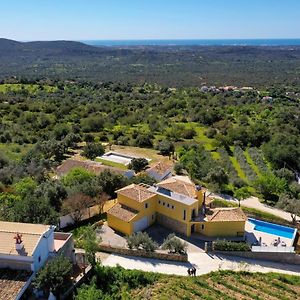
(24, 249)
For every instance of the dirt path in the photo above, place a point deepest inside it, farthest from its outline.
(253, 202)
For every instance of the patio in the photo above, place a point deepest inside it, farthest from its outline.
(263, 239)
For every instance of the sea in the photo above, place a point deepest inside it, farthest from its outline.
(202, 42)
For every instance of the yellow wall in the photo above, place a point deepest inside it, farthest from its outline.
(200, 197)
(128, 228)
(177, 212)
(120, 225)
(139, 206)
(219, 229)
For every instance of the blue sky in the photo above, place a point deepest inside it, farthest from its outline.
(149, 19)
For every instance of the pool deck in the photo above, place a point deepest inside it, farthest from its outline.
(120, 158)
(254, 235)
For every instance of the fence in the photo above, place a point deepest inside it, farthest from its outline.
(272, 249)
(282, 257)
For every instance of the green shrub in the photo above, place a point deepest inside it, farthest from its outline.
(223, 245)
(141, 240)
(174, 244)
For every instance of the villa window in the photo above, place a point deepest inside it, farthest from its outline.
(184, 214)
(168, 205)
(172, 206)
(202, 226)
(164, 203)
(146, 205)
(158, 201)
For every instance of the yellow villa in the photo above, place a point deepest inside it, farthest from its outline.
(176, 203)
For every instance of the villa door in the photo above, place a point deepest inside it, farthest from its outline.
(193, 228)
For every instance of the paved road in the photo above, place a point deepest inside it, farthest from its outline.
(203, 262)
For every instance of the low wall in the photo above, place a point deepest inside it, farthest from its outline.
(288, 258)
(143, 253)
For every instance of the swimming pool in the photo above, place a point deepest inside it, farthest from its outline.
(274, 229)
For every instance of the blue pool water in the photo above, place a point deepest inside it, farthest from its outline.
(271, 228)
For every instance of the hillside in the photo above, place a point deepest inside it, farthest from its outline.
(118, 283)
(223, 285)
(167, 65)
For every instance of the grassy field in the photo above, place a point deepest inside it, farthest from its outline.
(238, 168)
(14, 151)
(111, 163)
(252, 212)
(30, 88)
(202, 138)
(222, 285)
(251, 163)
(142, 152)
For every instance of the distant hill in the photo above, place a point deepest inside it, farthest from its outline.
(167, 65)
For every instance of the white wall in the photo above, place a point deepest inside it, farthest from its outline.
(43, 249)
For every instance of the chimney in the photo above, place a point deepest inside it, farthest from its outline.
(19, 242)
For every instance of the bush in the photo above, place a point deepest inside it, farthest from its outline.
(138, 164)
(270, 186)
(113, 281)
(178, 168)
(55, 276)
(188, 133)
(210, 132)
(143, 178)
(228, 166)
(174, 244)
(141, 240)
(240, 156)
(144, 140)
(223, 245)
(92, 150)
(217, 178)
(256, 156)
(166, 147)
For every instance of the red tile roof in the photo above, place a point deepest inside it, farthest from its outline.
(227, 214)
(12, 282)
(136, 192)
(122, 212)
(180, 186)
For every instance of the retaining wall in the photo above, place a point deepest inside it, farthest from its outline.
(288, 258)
(142, 253)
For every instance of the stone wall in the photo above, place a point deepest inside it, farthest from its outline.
(142, 253)
(288, 258)
(171, 223)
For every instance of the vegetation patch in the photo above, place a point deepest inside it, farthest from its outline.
(117, 283)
